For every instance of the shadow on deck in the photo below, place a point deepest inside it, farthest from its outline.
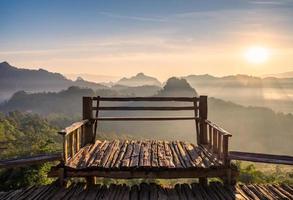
(152, 191)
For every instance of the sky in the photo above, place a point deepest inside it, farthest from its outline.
(161, 38)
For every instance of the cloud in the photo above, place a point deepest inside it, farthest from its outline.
(137, 18)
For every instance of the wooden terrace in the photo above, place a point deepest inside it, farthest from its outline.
(84, 156)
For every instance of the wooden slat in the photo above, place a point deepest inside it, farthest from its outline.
(143, 118)
(127, 156)
(195, 158)
(30, 160)
(260, 157)
(154, 157)
(214, 191)
(162, 155)
(169, 156)
(134, 161)
(145, 154)
(176, 160)
(215, 126)
(122, 151)
(161, 108)
(186, 99)
(72, 127)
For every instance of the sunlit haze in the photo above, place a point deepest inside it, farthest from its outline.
(159, 38)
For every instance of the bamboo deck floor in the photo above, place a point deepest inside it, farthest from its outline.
(215, 191)
(142, 154)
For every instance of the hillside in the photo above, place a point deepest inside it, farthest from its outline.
(14, 79)
(139, 80)
(274, 93)
(260, 128)
(281, 75)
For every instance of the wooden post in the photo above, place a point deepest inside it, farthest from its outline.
(90, 181)
(87, 113)
(196, 120)
(65, 149)
(96, 122)
(203, 115)
(203, 181)
(62, 177)
(226, 150)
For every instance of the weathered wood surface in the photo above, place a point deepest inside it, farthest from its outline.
(260, 157)
(144, 118)
(214, 191)
(30, 160)
(72, 127)
(186, 99)
(142, 154)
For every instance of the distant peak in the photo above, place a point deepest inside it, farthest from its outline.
(6, 64)
(79, 78)
(140, 74)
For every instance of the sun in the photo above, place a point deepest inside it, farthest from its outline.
(257, 55)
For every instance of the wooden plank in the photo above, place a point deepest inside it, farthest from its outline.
(169, 156)
(89, 153)
(127, 156)
(108, 152)
(260, 157)
(218, 128)
(122, 151)
(203, 114)
(161, 108)
(164, 174)
(112, 160)
(134, 161)
(194, 156)
(30, 160)
(73, 127)
(162, 155)
(177, 152)
(145, 154)
(87, 114)
(210, 156)
(187, 160)
(99, 155)
(186, 99)
(96, 121)
(134, 192)
(143, 118)
(175, 159)
(154, 157)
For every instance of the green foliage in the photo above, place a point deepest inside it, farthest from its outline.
(24, 177)
(252, 174)
(27, 134)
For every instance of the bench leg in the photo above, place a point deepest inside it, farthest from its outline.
(62, 177)
(90, 181)
(203, 181)
(229, 179)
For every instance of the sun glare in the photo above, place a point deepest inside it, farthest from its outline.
(257, 55)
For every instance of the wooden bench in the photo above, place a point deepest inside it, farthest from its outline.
(84, 156)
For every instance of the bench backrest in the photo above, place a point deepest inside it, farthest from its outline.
(92, 106)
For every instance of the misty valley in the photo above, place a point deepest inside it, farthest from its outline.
(251, 99)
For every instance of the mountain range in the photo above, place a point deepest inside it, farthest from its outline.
(272, 92)
(261, 129)
(14, 79)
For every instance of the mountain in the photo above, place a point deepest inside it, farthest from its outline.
(271, 92)
(139, 80)
(145, 90)
(93, 77)
(177, 87)
(261, 129)
(281, 75)
(14, 79)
